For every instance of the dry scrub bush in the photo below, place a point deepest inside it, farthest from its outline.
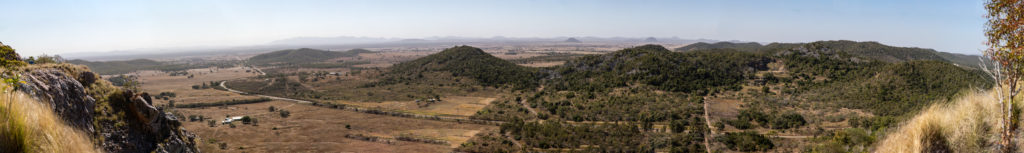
(968, 124)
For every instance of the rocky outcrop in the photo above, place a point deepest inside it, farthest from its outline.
(142, 129)
(66, 96)
(150, 129)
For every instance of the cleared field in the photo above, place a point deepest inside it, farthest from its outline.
(316, 129)
(453, 105)
(544, 64)
(156, 82)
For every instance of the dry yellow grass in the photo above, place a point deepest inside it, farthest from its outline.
(40, 128)
(967, 124)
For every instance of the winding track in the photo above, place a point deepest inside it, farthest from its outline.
(707, 119)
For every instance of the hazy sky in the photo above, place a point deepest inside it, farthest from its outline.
(36, 26)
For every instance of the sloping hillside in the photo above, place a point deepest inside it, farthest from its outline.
(972, 61)
(865, 50)
(899, 88)
(464, 61)
(751, 46)
(302, 55)
(845, 50)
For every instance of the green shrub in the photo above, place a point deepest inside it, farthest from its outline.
(746, 141)
(788, 120)
(246, 120)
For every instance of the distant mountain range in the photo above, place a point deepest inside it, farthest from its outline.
(347, 42)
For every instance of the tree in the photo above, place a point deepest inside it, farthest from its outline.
(44, 59)
(8, 58)
(1006, 49)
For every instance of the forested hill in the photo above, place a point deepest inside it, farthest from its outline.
(751, 46)
(847, 50)
(302, 55)
(465, 61)
(656, 66)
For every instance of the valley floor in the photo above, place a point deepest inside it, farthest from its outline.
(309, 128)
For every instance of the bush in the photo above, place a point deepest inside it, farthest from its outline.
(285, 113)
(754, 115)
(47, 59)
(272, 109)
(720, 126)
(246, 120)
(740, 124)
(788, 120)
(746, 141)
(87, 78)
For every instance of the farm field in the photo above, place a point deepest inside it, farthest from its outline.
(317, 129)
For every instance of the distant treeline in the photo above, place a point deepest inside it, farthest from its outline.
(122, 67)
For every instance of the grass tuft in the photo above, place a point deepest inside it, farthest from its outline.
(967, 124)
(29, 126)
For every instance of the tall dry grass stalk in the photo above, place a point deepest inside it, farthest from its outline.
(968, 124)
(30, 126)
